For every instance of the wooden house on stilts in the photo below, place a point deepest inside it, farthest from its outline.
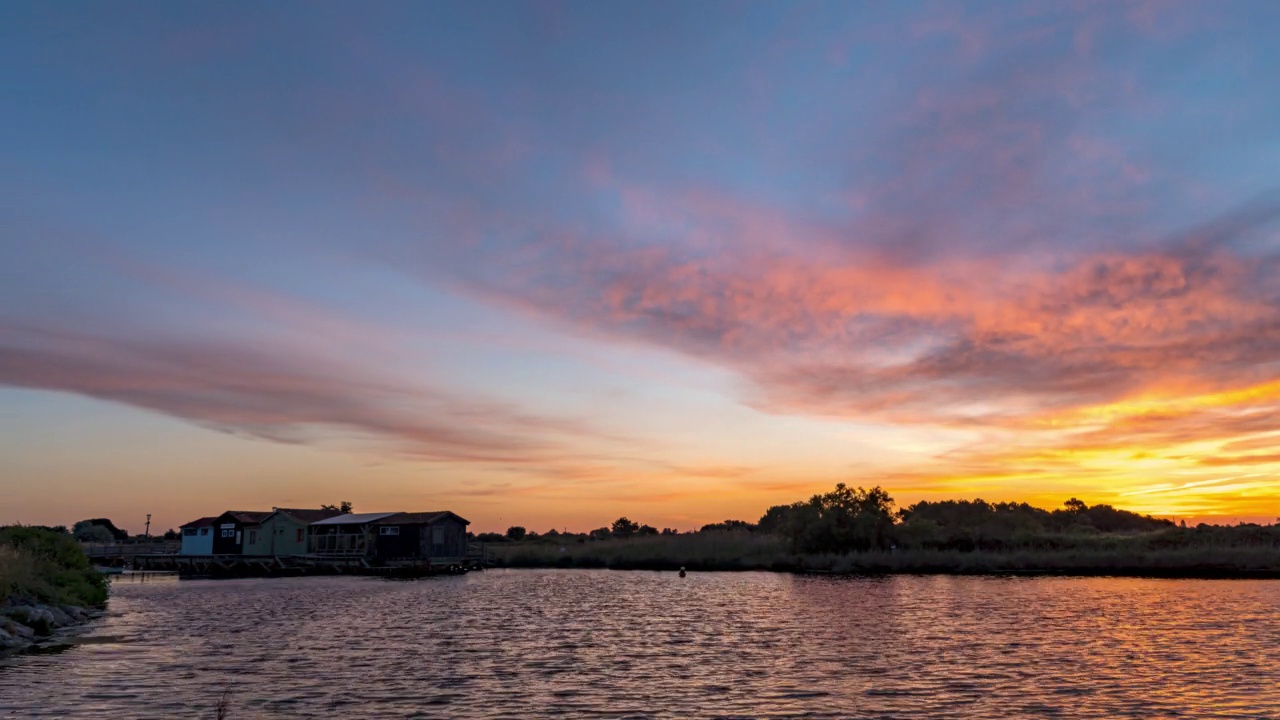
(409, 539)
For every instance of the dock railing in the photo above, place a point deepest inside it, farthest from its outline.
(130, 549)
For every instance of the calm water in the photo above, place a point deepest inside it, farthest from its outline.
(630, 644)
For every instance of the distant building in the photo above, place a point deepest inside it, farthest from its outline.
(197, 537)
(284, 532)
(239, 532)
(435, 537)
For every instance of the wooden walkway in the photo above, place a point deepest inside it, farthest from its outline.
(477, 558)
(122, 554)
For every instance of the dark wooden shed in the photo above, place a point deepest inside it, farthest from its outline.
(231, 528)
(436, 538)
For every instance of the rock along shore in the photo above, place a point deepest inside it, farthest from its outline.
(25, 624)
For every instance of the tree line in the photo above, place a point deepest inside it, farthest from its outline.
(848, 519)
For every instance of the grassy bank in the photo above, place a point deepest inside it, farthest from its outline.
(695, 551)
(47, 567)
(1169, 553)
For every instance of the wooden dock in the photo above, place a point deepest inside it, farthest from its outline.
(121, 555)
(228, 566)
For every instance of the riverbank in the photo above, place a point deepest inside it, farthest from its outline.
(1111, 556)
(47, 585)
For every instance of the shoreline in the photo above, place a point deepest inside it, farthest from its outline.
(746, 551)
(1187, 573)
(29, 625)
(47, 587)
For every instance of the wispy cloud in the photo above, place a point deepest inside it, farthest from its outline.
(281, 397)
(1037, 229)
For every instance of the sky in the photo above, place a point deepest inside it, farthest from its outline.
(552, 263)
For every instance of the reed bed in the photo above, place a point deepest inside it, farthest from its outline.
(1168, 554)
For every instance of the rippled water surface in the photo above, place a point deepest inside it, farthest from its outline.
(630, 644)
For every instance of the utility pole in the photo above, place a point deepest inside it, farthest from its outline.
(147, 533)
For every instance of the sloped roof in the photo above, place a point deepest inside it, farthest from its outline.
(423, 518)
(309, 515)
(248, 517)
(354, 518)
(202, 522)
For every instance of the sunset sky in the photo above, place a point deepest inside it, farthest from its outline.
(551, 263)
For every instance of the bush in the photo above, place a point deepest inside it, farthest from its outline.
(48, 567)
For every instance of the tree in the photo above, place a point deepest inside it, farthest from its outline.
(728, 525)
(842, 520)
(603, 533)
(670, 531)
(515, 532)
(624, 528)
(84, 533)
(88, 532)
(647, 530)
(172, 534)
(343, 507)
(776, 518)
(1074, 505)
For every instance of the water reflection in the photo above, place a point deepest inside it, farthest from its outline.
(614, 644)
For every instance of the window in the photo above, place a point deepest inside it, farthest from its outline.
(227, 532)
(188, 532)
(204, 531)
(301, 534)
(389, 530)
(253, 537)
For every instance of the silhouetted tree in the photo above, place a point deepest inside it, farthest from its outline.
(515, 532)
(83, 531)
(670, 531)
(172, 534)
(776, 517)
(647, 530)
(600, 534)
(59, 529)
(94, 534)
(728, 525)
(842, 520)
(624, 528)
(343, 507)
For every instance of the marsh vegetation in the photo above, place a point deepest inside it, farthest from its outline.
(47, 566)
(857, 530)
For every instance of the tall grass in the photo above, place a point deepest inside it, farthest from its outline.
(222, 708)
(1177, 553)
(17, 570)
(48, 567)
(695, 551)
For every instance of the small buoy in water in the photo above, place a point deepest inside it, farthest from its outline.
(681, 572)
